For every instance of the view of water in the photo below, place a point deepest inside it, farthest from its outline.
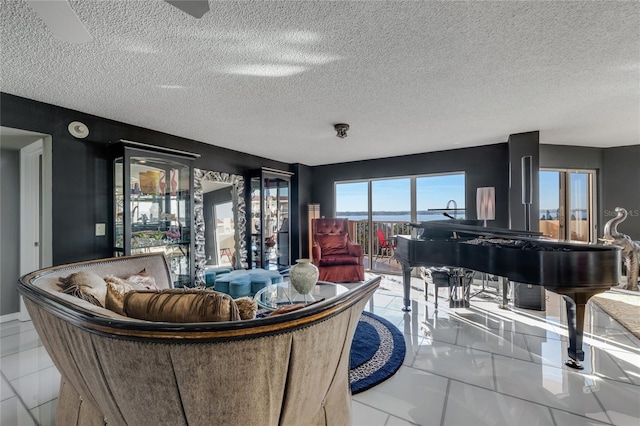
(425, 217)
(403, 217)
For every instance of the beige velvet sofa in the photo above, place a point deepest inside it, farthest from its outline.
(290, 369)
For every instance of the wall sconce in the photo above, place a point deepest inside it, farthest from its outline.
(314, 213)
(486, 203)
(341, 130)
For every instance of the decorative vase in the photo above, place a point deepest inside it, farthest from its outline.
(303, 276)
(174, 182)
(162, 183)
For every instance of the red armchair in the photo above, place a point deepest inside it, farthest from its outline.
(338, 259)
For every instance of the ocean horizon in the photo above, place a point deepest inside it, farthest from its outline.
(406, 217)
(425, 217)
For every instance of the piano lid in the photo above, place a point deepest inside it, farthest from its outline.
(468, 227)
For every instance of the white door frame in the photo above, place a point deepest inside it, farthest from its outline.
(35, 210)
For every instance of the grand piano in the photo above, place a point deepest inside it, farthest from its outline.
(577, 271)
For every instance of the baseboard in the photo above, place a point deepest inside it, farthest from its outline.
(9, 317)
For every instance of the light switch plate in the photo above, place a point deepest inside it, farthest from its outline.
(101, 229)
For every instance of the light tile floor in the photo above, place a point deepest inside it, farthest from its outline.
(476, 366)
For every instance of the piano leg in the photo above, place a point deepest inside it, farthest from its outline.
(505, 293)
(406, 284)
(576, 303)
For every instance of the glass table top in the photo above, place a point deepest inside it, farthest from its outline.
(276, 295)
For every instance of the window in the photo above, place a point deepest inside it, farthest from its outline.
(352, 200)
(391, 200)
(567, 204)
(390, 204)
(436, 195)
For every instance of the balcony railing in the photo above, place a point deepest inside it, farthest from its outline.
(375, 257)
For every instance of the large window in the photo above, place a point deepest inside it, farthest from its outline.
(352, 200)
(567, 204)
(381, 208)
(438, 196)
(391, 200)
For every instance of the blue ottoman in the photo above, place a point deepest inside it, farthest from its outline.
(211, 274)
(222, 281)
(222, 286)
(256, 279)
(258, 282)
(240, 287)
(274, 275)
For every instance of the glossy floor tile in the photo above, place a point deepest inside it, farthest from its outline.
(480, 365)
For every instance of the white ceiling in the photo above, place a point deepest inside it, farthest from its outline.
(271, 78)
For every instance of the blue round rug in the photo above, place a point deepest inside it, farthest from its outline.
(376, 353)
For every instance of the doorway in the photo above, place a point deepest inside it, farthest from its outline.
(224, 233)
(27, 218)
(567, 201)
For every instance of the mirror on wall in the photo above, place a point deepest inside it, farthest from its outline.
(219, 221)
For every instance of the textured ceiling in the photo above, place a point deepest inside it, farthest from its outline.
(271, 78)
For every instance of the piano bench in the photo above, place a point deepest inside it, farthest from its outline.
(440, 277)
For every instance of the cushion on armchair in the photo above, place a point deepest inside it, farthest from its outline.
(338, 260)
(332, 244)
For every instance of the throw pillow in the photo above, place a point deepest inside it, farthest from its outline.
(247, 306)
(116, 289)
(180, 305)
(85, 285)
(332, 244)
(144, 279)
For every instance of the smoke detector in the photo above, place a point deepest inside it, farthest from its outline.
(78, 130)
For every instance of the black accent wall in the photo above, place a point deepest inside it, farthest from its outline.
(300, 199)
(82, 170)
(621, 187)
(483, 166)
(524, 145)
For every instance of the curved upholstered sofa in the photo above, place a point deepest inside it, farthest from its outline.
(290, 369)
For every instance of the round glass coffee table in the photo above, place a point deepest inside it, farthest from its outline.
(276, 295)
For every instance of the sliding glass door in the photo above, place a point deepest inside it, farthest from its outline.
(352, 202)
(567, 204)
(440, 197)
(379, 209)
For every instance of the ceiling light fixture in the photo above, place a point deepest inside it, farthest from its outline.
(341, 130)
